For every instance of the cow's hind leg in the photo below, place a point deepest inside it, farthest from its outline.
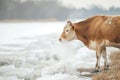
(117, 45)
(104, 55)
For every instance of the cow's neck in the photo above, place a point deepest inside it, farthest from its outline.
(83, 39)
(81, 35)
(82, 29)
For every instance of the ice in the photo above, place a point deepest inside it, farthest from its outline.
(85, 73)
(60, 67)
(4, 69)
(22, 73)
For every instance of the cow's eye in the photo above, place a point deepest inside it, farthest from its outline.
(66, 30)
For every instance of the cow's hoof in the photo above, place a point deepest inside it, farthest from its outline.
(107, 68)
(95, 71)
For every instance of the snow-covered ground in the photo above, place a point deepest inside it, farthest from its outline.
(31, 51)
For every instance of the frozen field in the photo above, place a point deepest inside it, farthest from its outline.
(31, 51)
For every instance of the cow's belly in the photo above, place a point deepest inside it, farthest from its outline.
(94, 44)
(105, 43)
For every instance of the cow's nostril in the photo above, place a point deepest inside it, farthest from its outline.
(60, 39)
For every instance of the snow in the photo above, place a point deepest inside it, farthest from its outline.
(31, 51)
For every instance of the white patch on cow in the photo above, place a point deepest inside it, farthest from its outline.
(109, 20)
(92, 45)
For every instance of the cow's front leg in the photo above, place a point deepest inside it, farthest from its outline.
(98, 56)
(104, 55)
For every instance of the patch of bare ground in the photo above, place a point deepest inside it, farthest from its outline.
(114, 72)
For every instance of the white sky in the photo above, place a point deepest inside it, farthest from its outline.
(105, 4)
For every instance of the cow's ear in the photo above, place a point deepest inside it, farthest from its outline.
(69, 23)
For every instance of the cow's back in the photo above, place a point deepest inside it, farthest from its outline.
(110, 29)
(104, 27)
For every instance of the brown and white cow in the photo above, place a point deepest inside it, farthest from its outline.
(97, 33)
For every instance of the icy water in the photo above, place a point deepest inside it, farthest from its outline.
(31, 51)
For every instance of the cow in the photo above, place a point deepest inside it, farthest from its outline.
(97, 33)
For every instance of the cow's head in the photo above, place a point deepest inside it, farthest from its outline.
(68, 33)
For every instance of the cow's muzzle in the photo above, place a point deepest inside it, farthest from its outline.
(60, 39)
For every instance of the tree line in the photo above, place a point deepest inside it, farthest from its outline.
(47, 9)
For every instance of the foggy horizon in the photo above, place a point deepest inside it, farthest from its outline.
(56, 10)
